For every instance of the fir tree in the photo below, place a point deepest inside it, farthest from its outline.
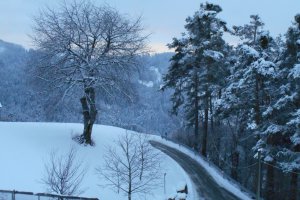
(247, 92)
(196, 69)
(280, 135)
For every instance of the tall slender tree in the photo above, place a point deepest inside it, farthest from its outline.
(196, 69)
(246, 93)
(280, 135)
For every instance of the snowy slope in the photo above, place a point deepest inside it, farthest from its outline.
(25, 147)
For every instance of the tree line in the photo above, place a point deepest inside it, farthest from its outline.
(234, 100)
(238, 100)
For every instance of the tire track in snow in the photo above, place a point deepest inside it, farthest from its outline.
(205, 185)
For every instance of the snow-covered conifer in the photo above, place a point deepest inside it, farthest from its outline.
(196, 69)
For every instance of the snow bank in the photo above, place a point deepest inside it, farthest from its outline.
(215, 173)
(26, 147)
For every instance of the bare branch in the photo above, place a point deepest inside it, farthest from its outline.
(64, 174)
(133, 167)
(86, 46)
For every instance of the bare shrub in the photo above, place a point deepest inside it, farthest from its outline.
(64, 174)
(132, 166)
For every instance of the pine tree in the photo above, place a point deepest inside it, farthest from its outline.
(196, 69)
(280, 135)
(247, 92)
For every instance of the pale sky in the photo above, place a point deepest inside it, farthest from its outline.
(165, 19)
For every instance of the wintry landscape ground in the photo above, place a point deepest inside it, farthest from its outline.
(28, 147)
(215, 89)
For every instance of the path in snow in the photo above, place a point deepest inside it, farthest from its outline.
(204, 184)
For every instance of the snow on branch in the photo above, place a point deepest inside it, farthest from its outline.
(249, 51)
(215, 55)
(207, 13)
(264, 67)
(295, 72)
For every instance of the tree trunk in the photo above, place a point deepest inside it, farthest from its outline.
(270, 183)
(235, 164)
(294, 179)
(89, 112)
(256, 102)
(218, 144)
(211, 114)
(257, 117)
(142, 160)
(293, 186)
(196, 124)
(129, 185)
(205, 126)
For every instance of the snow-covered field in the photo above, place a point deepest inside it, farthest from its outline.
(25, 147)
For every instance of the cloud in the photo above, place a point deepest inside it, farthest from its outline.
(159, 48)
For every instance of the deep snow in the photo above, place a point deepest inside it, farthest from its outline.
(25, 147)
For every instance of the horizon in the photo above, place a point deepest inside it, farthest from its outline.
(162, 27)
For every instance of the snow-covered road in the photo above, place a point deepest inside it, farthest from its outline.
(205, 185)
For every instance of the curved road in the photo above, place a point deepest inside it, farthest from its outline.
(206, 186)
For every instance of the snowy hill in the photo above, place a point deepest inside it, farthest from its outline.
(26, 147)
(26, 98)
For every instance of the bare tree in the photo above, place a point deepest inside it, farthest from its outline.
(87, 47)
(132, 166)
(64, 174)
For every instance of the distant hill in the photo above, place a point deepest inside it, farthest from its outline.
(24, 98)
